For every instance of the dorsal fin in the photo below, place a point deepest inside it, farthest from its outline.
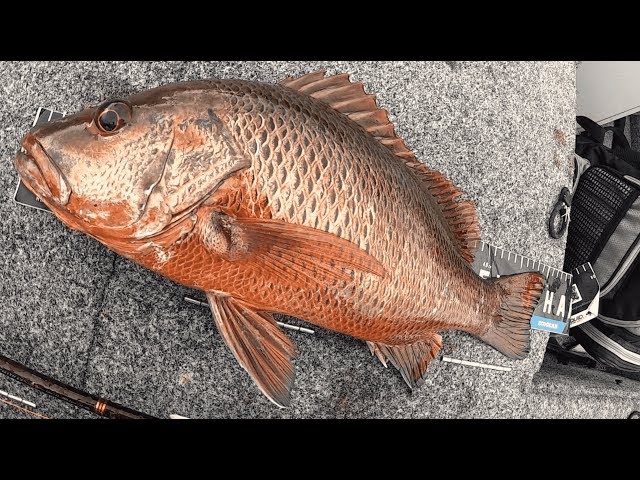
(461, 215)
(349, 98)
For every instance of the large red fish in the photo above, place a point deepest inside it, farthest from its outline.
(296, 198)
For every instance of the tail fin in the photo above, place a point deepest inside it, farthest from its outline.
(509, 332)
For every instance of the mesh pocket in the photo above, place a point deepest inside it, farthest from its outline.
(598, 205)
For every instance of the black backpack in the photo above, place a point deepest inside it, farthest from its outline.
(604, 229)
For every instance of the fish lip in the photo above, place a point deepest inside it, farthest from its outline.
(32, 176)
(48, 177)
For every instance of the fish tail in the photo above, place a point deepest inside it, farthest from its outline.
(510, 329)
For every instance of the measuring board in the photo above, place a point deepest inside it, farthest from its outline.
(586, 295)
(23, 195)
(552, 311)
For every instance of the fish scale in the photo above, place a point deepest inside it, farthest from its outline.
(295, 198)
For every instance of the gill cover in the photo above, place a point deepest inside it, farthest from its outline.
(201, 157)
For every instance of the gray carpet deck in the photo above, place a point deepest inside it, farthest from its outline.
(73, 310)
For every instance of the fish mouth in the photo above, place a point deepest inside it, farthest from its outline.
(40, 174)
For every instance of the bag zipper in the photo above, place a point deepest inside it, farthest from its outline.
(616, 322)
(606, 342)
(632, 179)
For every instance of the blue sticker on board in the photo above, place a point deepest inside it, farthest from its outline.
(547, 324)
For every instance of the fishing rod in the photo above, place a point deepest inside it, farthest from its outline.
(67, 393)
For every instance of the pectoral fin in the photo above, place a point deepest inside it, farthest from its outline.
(306, 250)
(258, 344)
(289, 253)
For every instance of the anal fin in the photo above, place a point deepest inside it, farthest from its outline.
(411, 359)
(258, 344)
(375, 350)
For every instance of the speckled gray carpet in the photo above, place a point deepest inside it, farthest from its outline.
(73, 310)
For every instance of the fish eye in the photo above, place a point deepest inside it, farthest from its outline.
(112, 116)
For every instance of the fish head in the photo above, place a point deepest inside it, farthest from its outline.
(128, 167)
(97, 165)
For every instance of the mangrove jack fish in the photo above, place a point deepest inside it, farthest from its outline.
(295, 198)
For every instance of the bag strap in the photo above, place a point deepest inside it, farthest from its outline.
(620, 145)
(619, 139)
(595, 131)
